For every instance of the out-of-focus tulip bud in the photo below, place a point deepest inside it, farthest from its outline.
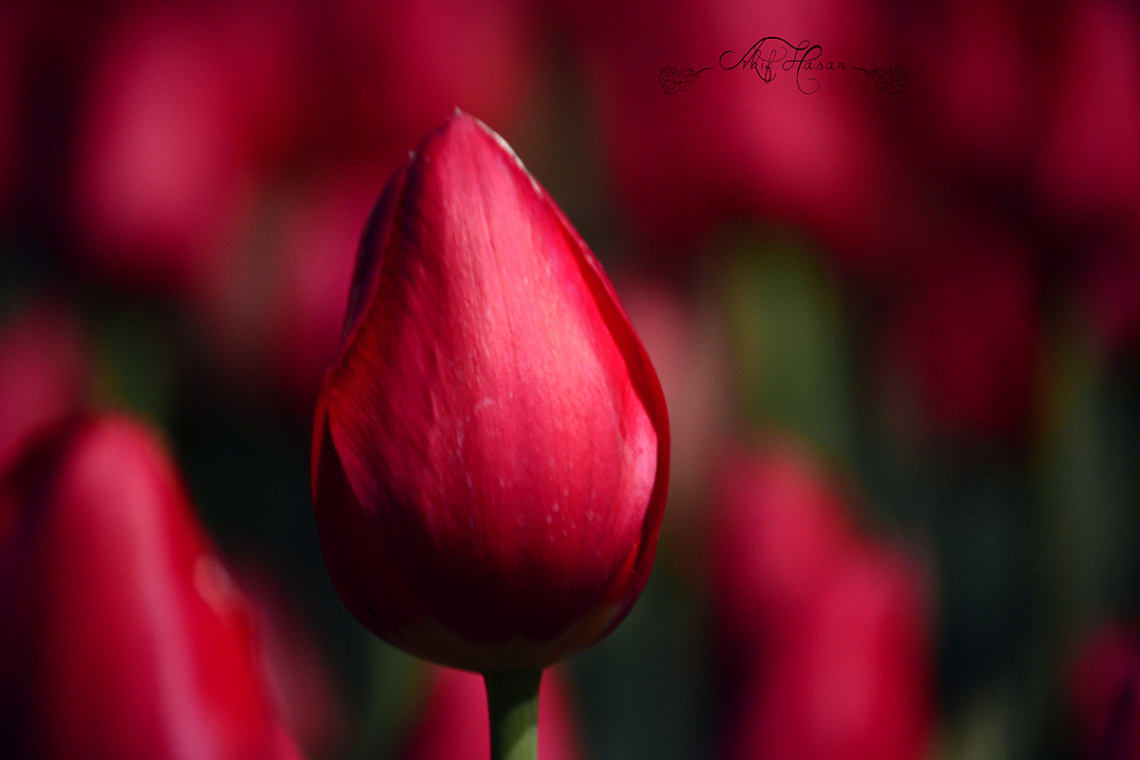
(133, 642)
(1106, 693)
(182, 107)
(778, 531)
(490, 447)
(827, 629)
(855, 681)
(43, 373)
(453, 724)
(264, 47)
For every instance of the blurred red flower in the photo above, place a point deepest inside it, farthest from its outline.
(129, 638)
(827, 628)
(691, 355)
(854, 681)
(182, 109)
(731, 146)
(779, 529)
(1089, 161)
(981, 93)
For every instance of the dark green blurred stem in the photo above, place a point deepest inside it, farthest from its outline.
(512, 697)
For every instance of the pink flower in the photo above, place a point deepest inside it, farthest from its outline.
(132, 641)
(490, 449)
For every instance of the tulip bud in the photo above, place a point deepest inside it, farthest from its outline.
(854, 680)
(490, 448)
(825, 626)
(122, 634)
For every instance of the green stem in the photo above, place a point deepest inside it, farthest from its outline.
(512, 696)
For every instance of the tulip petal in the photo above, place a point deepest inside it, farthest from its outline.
(496, 423)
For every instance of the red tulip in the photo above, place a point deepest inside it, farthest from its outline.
(978, 112)
(132, 641)
(1090, 159)
(182, 110)
(854, 681)
(490, 448)
(453, 723)
(778, 531)
(827, 628)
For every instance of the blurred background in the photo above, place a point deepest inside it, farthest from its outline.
(898, 331)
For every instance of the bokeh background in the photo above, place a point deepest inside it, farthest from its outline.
(898, 331)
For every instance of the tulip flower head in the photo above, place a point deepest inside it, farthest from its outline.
(132, 641)
(490, 448)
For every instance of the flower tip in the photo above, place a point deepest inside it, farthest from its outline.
(464, 120)
(471, 125)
